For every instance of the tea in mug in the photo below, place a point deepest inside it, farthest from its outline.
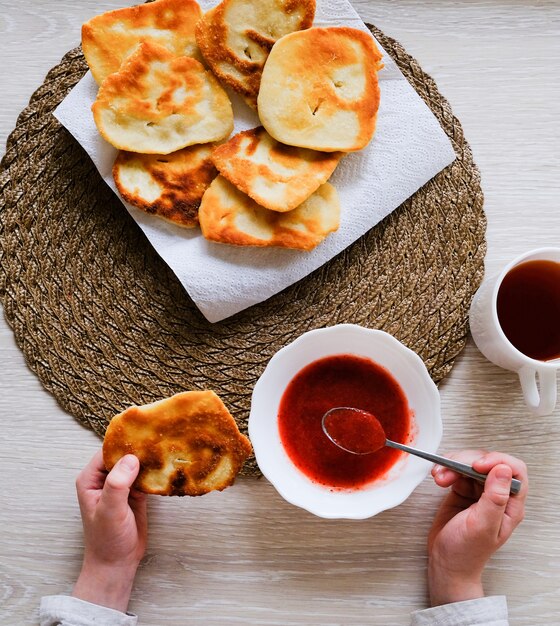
(528, 307)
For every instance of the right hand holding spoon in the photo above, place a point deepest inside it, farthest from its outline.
(473, 521)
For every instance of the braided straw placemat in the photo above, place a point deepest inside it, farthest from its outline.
(104, 323)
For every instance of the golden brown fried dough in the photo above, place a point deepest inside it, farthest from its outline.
(187, 445)
(227, 215)
(168, 186)
(157, 103)
(276, 176)
(319, 89)
(236, 36)
(108, 39)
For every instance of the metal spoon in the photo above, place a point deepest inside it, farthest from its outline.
(334, 419)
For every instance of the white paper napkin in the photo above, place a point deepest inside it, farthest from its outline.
(408, 149)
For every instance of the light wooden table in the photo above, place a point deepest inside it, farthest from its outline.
(245, 556)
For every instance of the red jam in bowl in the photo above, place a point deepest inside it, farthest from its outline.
(342, 380)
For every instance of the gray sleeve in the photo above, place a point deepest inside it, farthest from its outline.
(68, 611)
(490, 611)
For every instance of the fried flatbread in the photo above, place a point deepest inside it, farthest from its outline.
(236, 36)
(157, 103)
(276, 176)
(227, 215)
(319, 89)
(110, 38)
(168, 186)
(187, 445)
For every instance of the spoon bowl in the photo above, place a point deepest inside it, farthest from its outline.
(359, 432)
(354, 430)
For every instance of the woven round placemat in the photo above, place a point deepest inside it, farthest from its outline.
(104, 323)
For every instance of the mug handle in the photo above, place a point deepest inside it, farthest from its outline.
(542, 403)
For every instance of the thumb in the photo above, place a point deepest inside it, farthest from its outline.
(119, 481)
(491, 507)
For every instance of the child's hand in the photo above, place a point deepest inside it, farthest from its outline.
(472, 523)
(115, 531)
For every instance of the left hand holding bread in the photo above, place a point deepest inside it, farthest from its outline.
(115, 531)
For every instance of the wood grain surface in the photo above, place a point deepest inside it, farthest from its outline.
(245, 556)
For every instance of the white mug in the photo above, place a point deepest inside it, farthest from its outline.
(493, 343)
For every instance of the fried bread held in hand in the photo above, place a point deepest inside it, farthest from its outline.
(319, 89)
(227, 215)
(276, 176)
(236, 36)
(169, 186)
(187, 445)
(108, 39)
(158, 103)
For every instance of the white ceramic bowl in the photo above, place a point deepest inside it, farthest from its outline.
(401, 480)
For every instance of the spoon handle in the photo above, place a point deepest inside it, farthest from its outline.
(460, 468)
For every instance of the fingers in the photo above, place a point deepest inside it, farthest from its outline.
(489, 511)
(496, 488)
(463, 486)
(92, 475)
(482, 462)
(487, 461)
(468, 488)
(515, 510)
(445, 477)
(118, 483)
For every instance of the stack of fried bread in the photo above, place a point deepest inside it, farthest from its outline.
(163, 69)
